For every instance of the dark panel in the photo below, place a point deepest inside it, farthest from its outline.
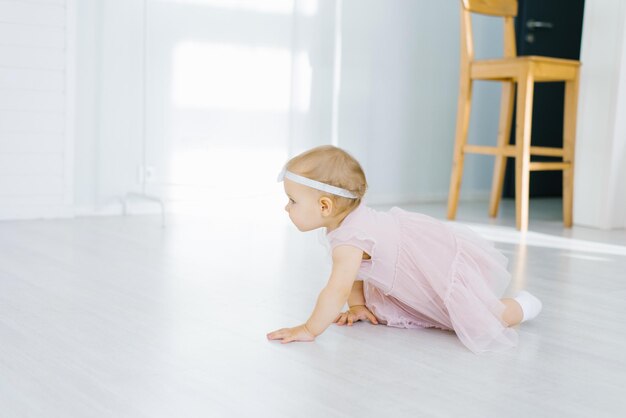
(550, 28)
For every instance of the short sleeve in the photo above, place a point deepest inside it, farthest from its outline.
(354, 237)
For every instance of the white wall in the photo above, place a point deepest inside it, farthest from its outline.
(36, 109)
(600, 171)
(399, 89)
(187, 143)
(396, 102)
(395, 105)
(109, 101)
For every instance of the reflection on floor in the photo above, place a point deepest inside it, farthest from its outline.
(116, 317)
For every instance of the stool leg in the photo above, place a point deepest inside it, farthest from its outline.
(525, 90)
(462, 124)
(504, 131)
(569, 136)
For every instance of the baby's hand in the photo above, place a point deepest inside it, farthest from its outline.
(288, 335)
(354, 314)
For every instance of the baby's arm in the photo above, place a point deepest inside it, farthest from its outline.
(356, 297)
(346, 262)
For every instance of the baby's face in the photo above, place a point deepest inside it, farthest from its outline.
(303, 207)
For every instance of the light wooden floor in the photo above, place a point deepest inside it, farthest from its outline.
(116, 317)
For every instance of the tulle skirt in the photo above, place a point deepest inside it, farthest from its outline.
(446, 277)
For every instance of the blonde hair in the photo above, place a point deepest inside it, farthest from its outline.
(332, 165)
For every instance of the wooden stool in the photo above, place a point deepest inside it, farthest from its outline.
(510, 70)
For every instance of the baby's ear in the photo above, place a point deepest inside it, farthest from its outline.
(326, 205)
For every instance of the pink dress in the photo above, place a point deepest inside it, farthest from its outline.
(426, 273)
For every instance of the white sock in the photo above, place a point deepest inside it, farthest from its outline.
(531, 306)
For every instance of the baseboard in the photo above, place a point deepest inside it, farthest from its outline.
(10, 213)
(139, 207)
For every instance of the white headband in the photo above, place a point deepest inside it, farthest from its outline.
(338, 191)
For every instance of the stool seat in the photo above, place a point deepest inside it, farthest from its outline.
(518, 75)
(544, 69)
